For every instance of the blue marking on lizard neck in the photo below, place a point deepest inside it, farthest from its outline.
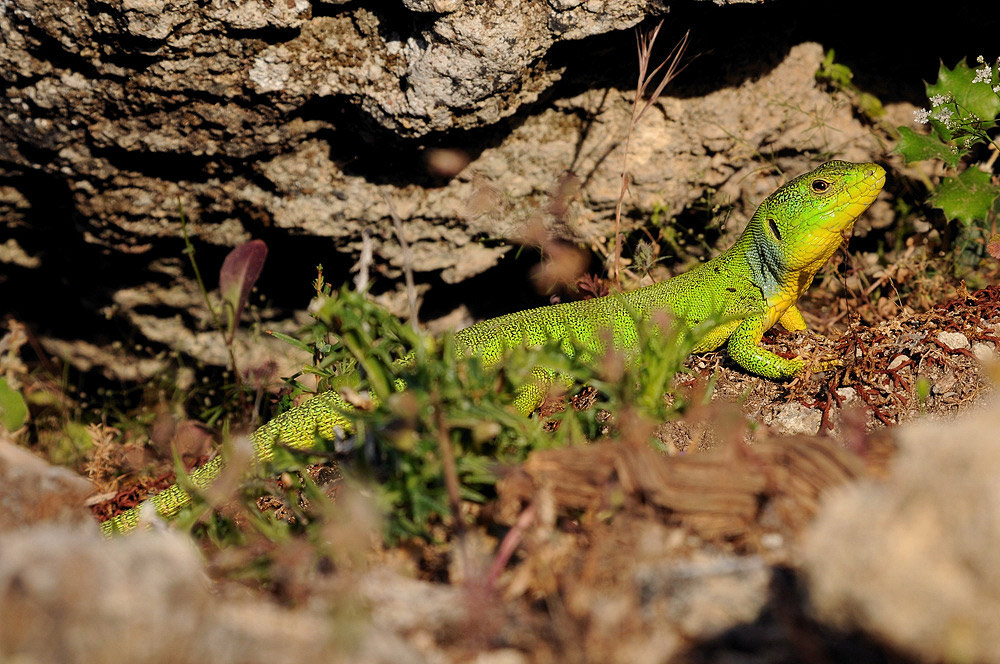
(766, 263)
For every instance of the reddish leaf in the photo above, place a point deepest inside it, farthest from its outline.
(239, 273)
(993, 246)
(591, 286)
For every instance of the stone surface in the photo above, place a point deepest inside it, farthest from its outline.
(300, 123)
(984, 352)
(33, 491)
(795, 418)
(898, 361)
(953, 340)
(68, 594)
(848, 394)
(912, 559)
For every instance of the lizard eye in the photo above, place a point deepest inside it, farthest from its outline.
(773, 225)
(819, 186)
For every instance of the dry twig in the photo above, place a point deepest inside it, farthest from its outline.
(411, 291)
(644, 45)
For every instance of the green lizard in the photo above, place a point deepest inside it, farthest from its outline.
(749, 287)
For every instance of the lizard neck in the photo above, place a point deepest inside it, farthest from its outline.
(781, 282)
(764, 261)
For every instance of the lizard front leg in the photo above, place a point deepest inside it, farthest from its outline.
(744, 348)
(792, 319)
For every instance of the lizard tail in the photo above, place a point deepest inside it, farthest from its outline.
(324, 415)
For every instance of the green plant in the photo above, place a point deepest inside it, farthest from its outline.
(964, 105)
(13, 410)
(840, 77)
(446, 436)
(644, 45)
(237, 276)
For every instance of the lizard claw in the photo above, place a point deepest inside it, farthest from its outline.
(817, 365)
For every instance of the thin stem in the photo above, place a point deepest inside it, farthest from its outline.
(644, 46)
(509, 545)
(189, 250)
(451, 484)
(411, 290)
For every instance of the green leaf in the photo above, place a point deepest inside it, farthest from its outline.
(975, 98)
(941, 130)
(300, 345)
(917, 147)
(838, 74)
(967, 197)
(870, 105)
(13, 410)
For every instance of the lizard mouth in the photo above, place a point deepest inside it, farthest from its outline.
(850, 204)
(863, 193)
(830, 227)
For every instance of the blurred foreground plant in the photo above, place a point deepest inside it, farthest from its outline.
(433, 426)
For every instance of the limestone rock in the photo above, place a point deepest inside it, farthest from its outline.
(299, 123)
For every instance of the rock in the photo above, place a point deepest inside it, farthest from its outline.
(437, 6)
(912, 559)
(984, 352)
(280, 121)
(945, 384)
(897, 361)
(953, 340)
(77, 597)
(502, 656)
(707, 597)
(847, 394)
(68, 594)
(32, 491)
(794, 418)
(660, 601)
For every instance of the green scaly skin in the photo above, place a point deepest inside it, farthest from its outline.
(749, 287)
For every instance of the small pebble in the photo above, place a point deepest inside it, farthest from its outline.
(847, 394)
(897, 361)
(953, 340)
(944, 384)
(795, 418)
(983, 352)
(772, 540)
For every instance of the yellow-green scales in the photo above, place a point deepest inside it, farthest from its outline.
(749, 287)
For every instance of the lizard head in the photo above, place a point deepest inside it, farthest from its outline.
(803, 222)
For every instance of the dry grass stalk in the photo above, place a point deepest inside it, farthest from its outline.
(644, 45)
(411, 290)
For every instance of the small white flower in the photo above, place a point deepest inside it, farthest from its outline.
(983, 75)
(979, 59)
(921, 116)
(943, 114)
(937, 100)
(946, 116)
(996, 89)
